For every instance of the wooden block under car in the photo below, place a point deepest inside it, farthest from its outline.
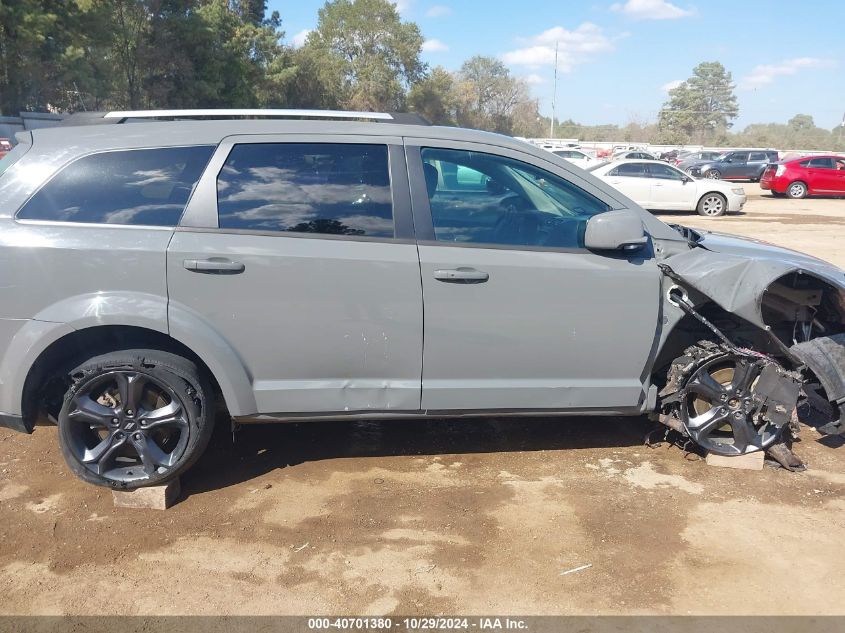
(749, 461)
(150, 498)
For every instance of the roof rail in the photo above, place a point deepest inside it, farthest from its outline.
(230, 113)
(123, 116)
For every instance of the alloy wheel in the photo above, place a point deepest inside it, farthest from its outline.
(713, 205)
(720, 409)
(797, 190)
(126, 425)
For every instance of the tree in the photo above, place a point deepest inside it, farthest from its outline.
(488, 95)
(33, 37)
(433, 97)
(703, 106)
(362, 50)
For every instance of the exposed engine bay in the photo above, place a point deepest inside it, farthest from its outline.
(755, 347)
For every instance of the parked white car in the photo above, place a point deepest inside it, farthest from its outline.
(655, 185)
(576, 157)
(637, 153)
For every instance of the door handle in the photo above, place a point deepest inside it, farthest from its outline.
(461, 276)
(214, 266)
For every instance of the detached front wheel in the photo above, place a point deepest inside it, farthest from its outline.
(135, 418)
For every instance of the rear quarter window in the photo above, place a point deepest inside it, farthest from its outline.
(143, 187)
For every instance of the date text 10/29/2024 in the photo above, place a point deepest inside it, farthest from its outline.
(418, 624)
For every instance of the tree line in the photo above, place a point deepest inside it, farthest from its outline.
(74, 55)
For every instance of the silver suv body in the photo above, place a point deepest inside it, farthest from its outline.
(331, 269)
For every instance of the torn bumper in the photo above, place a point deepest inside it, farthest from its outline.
(825, 356)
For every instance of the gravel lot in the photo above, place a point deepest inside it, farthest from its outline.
(447, 517)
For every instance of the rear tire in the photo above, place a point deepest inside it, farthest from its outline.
(134, 418)
(712, 205)
(796, 190)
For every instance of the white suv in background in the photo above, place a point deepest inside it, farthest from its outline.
(655, 185)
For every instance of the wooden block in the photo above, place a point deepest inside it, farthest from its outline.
(151, 498)
(750, 461)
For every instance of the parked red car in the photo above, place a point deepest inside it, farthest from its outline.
(810, 175)
(5, 146)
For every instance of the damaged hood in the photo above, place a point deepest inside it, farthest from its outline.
(735, 271)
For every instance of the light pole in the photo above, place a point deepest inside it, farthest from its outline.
(554, 97)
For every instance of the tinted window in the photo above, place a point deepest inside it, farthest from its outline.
(637, 170)
(519, 205)
(738, 157)
(757, 156)
(664, 173)
(148, 187)
(332, 189)
(822, 163)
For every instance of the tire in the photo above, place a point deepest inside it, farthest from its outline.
(796, 190)
(160, 434)
(712, 205)
(713, 174)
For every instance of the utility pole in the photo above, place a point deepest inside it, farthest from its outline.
(554, 97)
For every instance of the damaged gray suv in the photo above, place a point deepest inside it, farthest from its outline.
(293, 265)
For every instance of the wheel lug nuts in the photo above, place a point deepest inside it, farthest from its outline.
(137, 436)
(114, 420)
(129, 412)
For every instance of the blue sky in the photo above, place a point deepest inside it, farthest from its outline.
(617, 57)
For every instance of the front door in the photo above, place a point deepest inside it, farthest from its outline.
(518, 314)
(298, 252)
(633, 180)
(736, 166)
(670, 189)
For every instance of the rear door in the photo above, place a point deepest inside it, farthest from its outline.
(757, 162)
(298, 251)
(822, 175)
(518, 314)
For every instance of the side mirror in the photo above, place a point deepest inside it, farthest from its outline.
(615, 231)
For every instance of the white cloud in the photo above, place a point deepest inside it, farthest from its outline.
(651, 10)
(402, 5)
(534, 79)
(574, 47)
(434, 46)
(438, 11)
(671, 85)
(766, 73)
(299, 38)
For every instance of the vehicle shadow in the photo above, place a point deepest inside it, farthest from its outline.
(259, 449)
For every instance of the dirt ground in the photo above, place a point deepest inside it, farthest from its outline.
(451, 517)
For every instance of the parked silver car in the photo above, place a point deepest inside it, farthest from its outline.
(317, 268)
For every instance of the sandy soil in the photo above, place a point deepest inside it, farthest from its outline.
(446, 517)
